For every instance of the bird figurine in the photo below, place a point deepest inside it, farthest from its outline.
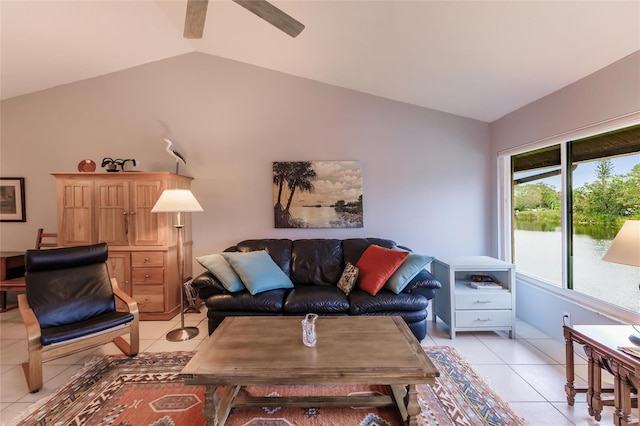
(175, 154)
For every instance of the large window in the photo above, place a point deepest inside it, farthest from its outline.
(568, 201)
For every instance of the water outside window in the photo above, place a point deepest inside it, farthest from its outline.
(537, 236)
(605, 192)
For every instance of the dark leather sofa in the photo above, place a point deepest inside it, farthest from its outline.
(315, 266)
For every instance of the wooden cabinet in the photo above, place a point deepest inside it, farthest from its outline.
(116, 208)
(464, 308)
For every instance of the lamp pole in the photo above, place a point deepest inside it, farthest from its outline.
(178, 201)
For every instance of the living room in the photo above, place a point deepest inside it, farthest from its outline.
(430, 178)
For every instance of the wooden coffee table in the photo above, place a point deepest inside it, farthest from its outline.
(350, 350)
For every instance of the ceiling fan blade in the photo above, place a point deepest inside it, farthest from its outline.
(273, 15)
(194, 19)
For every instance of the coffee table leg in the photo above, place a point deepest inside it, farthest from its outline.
(217, 405)
(211, 402)
(413, 407)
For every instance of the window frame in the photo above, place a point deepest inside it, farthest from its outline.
(505, 209)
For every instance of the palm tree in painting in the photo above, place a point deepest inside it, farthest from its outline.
(300, 178)
(281, 171)
(297, 175)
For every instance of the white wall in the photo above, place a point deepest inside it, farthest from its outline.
(426, 174)
(605, 95)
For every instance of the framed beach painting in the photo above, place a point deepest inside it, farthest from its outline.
(317, 194)
(12, 206)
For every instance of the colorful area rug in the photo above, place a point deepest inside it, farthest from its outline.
(147, 390)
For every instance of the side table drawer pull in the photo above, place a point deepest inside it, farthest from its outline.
(484, 319)
(484, 301)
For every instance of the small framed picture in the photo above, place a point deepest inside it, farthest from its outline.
(12, 206)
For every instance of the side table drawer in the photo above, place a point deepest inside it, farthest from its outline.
(147, 259)
(483, 318)
(147, 276)
(150, 298)
(483, 299)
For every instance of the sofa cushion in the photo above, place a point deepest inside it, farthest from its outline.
(411, 266)
(278, 249)
(243, 301)
(348, 279)
(258, 271)
(321, 299)
(362, 302)
(316, 261)
(220, 268)
(376, 265)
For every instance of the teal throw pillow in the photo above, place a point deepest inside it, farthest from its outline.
(220, 268)
(258, 271)
(412, 265)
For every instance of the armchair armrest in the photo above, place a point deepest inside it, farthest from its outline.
(132, 305)
(30, 322)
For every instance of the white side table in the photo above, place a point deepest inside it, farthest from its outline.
(464, 308)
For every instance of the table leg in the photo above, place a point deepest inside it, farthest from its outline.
(622, 395)
(211, 402)
(594, 394)
(413, 407)
(569, 386)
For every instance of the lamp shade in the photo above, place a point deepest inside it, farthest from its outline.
(176, 201)
(625, 248)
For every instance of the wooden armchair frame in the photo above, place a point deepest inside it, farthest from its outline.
(39, 353)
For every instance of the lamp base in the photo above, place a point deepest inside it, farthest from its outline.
(181, 334)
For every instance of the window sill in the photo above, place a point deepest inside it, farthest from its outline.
(613, 312)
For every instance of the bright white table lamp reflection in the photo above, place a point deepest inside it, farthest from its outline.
(179, 201)
(625, 249)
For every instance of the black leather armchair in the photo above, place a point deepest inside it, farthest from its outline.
(70, 305)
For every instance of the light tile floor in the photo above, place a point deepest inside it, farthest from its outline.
(527, 372)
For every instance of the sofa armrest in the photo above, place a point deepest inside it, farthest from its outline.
(424, 280)
(207, 285)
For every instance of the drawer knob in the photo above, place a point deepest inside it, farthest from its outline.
(146, 259)
(146, 275)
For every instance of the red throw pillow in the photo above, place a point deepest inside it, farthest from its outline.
(376, 265)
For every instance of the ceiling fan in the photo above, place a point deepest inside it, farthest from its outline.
(197, 12)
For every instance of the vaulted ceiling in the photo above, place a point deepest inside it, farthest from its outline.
(477, 59)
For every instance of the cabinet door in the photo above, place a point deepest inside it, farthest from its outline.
(145, 229)
(112, 212)
(75, 213)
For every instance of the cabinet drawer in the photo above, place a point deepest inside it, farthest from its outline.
(147, 259)
(483, 299)
(150, 298)
(484, 318)
(147, 275)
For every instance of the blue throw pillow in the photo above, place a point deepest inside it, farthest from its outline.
(258, 271)
(412, 265)
(220, 268)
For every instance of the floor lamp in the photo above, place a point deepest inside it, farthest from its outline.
(179, 201)
(625, 249)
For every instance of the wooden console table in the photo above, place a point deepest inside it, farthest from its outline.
(11, 276)
(601, 344)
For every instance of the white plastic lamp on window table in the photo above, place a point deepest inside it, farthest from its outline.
(625, 249)
(179, 201)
